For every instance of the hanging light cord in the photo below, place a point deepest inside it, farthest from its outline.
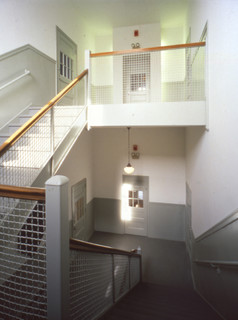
(128, 144)
(129, 169)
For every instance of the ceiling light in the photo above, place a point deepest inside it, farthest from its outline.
(129, 169)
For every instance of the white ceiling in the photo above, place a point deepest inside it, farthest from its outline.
(104, 15)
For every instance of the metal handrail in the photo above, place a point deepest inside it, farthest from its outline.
(216, 263)
(21, 131)
(26, 72)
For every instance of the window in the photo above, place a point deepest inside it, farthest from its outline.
(138, 82)
(135, 199)
(79, 208)
(136, 78)
(66, 66)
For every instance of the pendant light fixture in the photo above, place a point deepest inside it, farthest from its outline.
(129, 169)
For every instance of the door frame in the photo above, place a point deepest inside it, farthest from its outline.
(78, 206)
(62, 37)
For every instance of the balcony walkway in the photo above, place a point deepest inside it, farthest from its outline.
(170, 114)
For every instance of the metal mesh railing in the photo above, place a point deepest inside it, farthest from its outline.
(151, 76)
(23, 283)
(21, 163)
(134, 271)
(97, 280)
(90, 284)
(121, 275)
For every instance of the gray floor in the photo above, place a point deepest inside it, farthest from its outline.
(163, 262)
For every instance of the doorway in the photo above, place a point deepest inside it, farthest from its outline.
(135, 204)
(136, 78)
(66, 66)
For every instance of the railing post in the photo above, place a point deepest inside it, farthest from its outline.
(88, 81)
(113, 280)
(129, 260)
(57, 248)
(52, 137)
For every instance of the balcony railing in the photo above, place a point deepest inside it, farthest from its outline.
(160, 74)
(99, 277)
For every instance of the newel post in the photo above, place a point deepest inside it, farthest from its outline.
(57, 248)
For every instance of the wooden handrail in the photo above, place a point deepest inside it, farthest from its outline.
(19, 133)
(26, 193)
(162, 48)
(96, 248)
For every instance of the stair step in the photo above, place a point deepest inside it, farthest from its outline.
(24, 118)
(33, 110)
(35, 147)
(3, 137)
(13, 127)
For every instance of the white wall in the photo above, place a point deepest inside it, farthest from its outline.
(148, 36)
(212, 156)
(32, 89)
(162, 159)
(104, 65)
(34, 22)
(172, 60)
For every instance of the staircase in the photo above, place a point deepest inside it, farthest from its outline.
(17, 122)
(155, 302)
(32, 147)
(23, 163)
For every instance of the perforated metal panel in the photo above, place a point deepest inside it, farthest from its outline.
(23, 286)
(90, 284)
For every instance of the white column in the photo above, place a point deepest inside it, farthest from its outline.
(57, 248)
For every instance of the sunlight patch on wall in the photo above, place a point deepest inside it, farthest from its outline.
(125, 209)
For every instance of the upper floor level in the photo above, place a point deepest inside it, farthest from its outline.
(158, 86)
